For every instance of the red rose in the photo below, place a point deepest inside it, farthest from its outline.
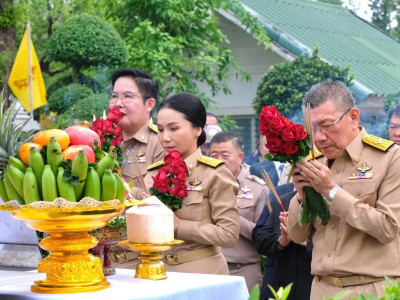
(116, 141)
(179, 191)
(293, 133)
(278, 124)
(114, 115)
(301, 134)
(97, 125)
(108, 126)
(273, 144)
(117, 131)
(264, 129)
(267, 113)
(289, 148)
(172, 155)
(160, 181)
(102, 138)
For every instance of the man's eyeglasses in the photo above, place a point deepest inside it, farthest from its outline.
(125, 98)
(328, 127)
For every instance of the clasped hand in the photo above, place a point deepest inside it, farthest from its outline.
(313, 174)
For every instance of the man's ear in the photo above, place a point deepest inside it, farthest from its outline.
(241, 156)
(149, 104)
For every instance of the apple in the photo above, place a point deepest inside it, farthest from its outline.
(80, 135)
(72, 151)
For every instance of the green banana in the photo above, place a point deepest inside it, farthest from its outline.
(17, 163)
(17, 179)
(93, 186)
(3, 193)
(66, 189)
(107, 162)
(49, 185)
(54, 155)
(37, 164)
(108, 186)
(120, 188)
(11, 192)
(80, 169)
(31, 189)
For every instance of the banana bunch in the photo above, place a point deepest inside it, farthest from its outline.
(40, 181)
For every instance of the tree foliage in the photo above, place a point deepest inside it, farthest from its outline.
(86, 41)
(179, 42)
(382, 13)
(285, 84)
(392, 100)
(84, 110)
(65, 97)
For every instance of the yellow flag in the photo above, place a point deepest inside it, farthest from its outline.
(19, 77)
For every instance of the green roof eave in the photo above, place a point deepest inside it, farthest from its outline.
(297, 48)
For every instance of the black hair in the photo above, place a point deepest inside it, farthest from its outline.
(395, 110)
(335, 91)
(212, 115)
(226, 136)
(146, 85)
(192, 109)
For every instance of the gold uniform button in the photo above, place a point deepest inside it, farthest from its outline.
(142, 137)
(356, 158)
(191, 167)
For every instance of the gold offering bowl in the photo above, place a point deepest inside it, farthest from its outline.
(151, 267)
(69, 268)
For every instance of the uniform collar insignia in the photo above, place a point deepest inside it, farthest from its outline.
(364, 167)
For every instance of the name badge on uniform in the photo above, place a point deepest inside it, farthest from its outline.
(195, 185)
(364, 174)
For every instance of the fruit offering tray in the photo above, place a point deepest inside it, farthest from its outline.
(69, 268)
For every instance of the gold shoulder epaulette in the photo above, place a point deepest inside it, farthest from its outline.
(155, 165)
(153, 127)
(317, 154)
(258, 180)
(210, 161)
(377, 142)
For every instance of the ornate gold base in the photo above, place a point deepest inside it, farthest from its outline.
(151, 267)
(69, 268)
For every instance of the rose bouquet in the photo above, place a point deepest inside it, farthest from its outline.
(110, 133)
(289, 142)
(169, 185)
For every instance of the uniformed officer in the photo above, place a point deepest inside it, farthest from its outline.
(209, 217)
(243, 260)
(394, 124)
(359, 178)
(135, 94)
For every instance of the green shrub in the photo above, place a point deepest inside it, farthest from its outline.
(83, 110)
(285, 84)
(67, 96)
(391, 101)
(86, 41)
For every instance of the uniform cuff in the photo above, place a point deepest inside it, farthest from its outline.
(341, 203)
(184, 231)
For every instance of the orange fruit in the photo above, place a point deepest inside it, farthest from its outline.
(25, 150)
(38, 137)
(61, 137)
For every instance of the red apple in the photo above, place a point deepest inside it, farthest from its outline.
(72, 151)
(80, 135)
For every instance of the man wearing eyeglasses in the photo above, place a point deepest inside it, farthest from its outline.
(394, 125)
(359, 179)
(135, 95)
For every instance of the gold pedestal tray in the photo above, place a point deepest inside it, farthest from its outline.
(151, 267)
(69, 268)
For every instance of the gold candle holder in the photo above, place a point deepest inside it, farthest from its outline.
(69, 268)
(151, 267)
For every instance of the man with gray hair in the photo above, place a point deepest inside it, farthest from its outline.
(359, 180)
